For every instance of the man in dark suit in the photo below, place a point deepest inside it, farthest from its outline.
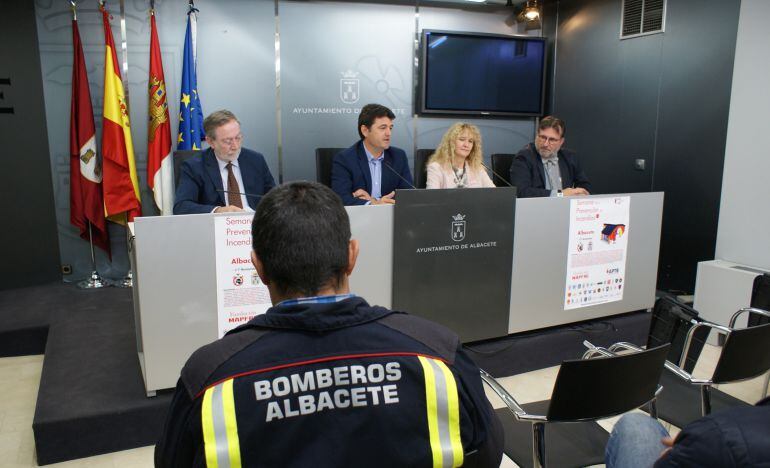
(544, 169)
(225, 177)
(371, 170)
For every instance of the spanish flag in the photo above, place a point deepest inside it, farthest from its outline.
(120, 184)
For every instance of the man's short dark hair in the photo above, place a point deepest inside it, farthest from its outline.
(370, 113)
(554, 123)
(301, 234)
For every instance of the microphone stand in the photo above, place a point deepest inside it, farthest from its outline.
(94, 281)
(399, 175)
(496, 174)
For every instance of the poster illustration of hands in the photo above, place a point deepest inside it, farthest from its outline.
(596, 256)
(241, 295)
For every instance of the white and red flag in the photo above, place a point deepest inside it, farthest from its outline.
(86, 202)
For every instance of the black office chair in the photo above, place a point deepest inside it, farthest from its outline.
(745, 354)
(760, 299)
(421, 166)
(585, 390)
(501, 167)
(181, 156)
(324, 157)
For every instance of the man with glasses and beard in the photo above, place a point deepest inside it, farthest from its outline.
(225, 177)
(544, 169)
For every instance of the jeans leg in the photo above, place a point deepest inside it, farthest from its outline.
(635, 442)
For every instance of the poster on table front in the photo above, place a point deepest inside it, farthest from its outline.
(241, 295)
(596, 255)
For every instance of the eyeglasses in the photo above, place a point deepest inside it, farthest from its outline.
(230, 141)
(549, 140)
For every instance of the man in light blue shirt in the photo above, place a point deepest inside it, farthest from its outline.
(370, 171)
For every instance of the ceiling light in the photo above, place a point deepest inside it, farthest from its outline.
(531, 10)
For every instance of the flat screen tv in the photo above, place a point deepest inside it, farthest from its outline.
(481, 74)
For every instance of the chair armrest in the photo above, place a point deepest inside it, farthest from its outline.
(624, 345)
(519, 412)
(593, 350)
(747, 309)
(691, 332)
(677, 369)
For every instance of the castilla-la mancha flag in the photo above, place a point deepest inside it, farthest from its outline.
(160, 166)
(121, 186)
(86, 204)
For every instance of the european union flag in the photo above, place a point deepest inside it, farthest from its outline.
(190, 113)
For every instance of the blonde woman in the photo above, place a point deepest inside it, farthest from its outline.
(457, 160)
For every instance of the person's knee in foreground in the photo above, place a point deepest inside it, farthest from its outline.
(635, 441)
(323, 378)
(735, 437)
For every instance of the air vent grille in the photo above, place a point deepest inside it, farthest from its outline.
(642, 17)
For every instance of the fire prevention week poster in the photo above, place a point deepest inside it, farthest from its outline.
(240, 293)
(596, 255)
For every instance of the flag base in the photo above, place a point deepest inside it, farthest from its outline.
(127, 282)
(93, 282)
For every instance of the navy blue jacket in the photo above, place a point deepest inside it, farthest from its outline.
(200, 187)
(528, 174)
(350, 172)
(339, 384)
(733, 437)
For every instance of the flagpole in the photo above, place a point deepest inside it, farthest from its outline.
(94, 281)
(128, 280)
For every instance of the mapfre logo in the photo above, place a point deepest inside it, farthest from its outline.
(458, 227)
(349, 87)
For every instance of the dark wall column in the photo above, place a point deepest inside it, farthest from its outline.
(697, 63)
(29, 247)
(663, 98)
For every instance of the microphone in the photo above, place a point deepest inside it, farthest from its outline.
(227, 192)
(498, 175)
(399, 175)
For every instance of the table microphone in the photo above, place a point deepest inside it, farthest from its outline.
(240, 193)
(498, 175)
(399, 175)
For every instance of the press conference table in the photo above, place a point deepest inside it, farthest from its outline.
(175, 303)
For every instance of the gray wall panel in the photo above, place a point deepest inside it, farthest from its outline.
(744, 227)
(236, 68)
(319, 42)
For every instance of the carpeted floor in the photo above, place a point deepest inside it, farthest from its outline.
(91, 398)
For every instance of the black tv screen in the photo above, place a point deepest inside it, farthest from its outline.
(481, 74)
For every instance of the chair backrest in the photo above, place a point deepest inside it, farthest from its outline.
(181, 156)
(588, 389)
(760, 299)
(421, 167)
(671, 320)
(324, 157)
(501, 166)
(746, 354)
